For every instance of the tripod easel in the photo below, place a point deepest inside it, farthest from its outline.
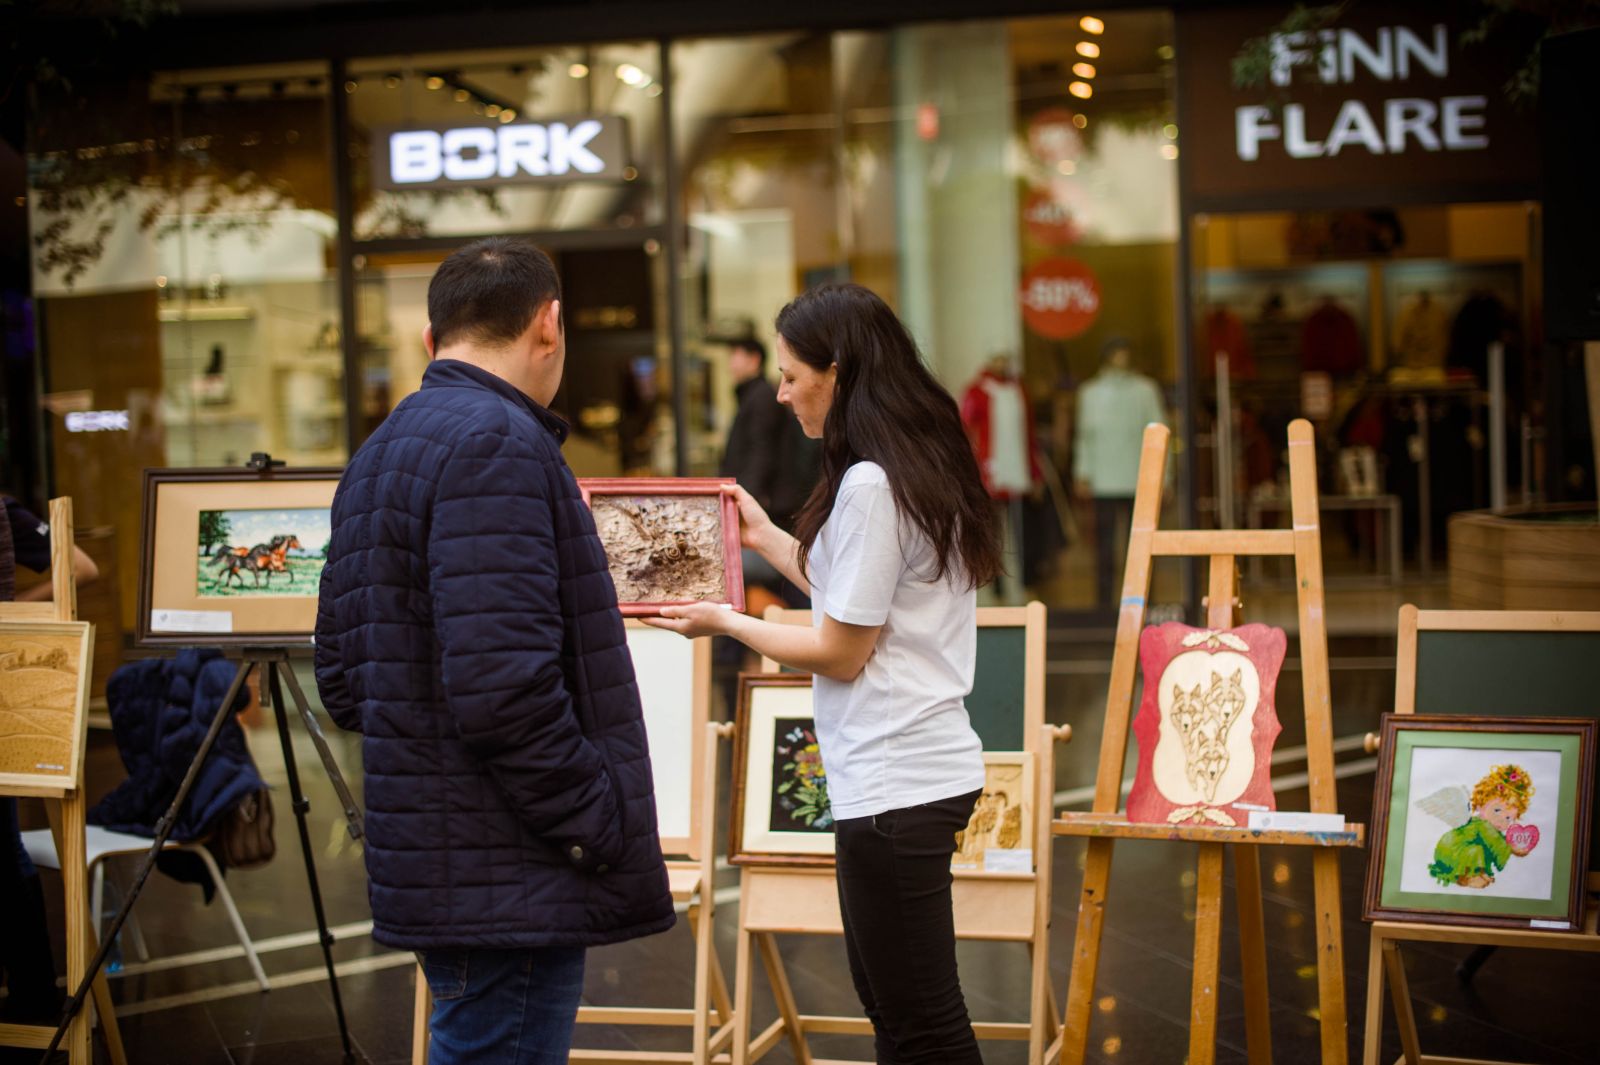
(275, 671)
(1104, 825)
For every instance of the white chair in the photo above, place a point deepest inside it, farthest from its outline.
(102, 843)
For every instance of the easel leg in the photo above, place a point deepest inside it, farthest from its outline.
(421, 1010)
(67, 823)
(1400, 993)
(1040, 1007)
(743, 986)
(1330, 957)
(1372, 1045)
(1086, 950)
(787, 1009)
(1207, 943)
(301, 807)
(701, 927)
(1253, 954)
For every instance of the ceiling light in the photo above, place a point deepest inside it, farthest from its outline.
(1165, 52)
(1169, 151)
(1083, 70)
(1081, 89)
(435, 82)
(654, 90)
(578, 70)
(462, 96)
(351, 85)
(493, 110)
(391, 81)
(1089, 50)
(629, 74)
(1170, 131)
(508, 115)
(1090, 24)
(1080, 120)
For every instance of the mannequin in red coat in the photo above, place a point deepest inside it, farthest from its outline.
(999, 421)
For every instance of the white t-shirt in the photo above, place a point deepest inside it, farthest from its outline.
(898, 735)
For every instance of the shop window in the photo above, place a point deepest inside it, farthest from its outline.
(181, 263)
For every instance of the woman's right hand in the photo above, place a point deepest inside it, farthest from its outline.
(754, 524)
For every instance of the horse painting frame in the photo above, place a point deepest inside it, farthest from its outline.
(197, 586)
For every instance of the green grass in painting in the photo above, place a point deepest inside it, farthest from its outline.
(307, 573)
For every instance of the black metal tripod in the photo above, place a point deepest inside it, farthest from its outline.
(274, 664)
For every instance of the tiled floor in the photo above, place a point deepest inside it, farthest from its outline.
(1525, 1006)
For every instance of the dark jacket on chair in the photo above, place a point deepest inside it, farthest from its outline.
(160, 710)
(468, 627)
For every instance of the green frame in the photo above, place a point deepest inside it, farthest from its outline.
(1403, 734)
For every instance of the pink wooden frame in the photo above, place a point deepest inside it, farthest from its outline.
(732, 565)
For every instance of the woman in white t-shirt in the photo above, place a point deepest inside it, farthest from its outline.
(892, 545)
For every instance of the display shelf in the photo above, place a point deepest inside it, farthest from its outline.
(206, 313)
(1117, 826)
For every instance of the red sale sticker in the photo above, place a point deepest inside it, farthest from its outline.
(1060, 298)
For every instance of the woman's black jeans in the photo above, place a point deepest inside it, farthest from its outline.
(899, 931)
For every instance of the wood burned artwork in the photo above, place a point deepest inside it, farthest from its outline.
(42, 691)
(1206, 724)
(667, 541)
(999, 835)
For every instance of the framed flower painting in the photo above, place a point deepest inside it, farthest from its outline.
(781, 812)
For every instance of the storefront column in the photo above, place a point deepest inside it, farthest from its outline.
(957, 195)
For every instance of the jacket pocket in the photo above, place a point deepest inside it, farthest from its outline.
(446, 971)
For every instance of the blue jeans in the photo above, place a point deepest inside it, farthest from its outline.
(503, 1007)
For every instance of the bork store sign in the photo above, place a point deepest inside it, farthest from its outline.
(549, 151)
(1386, 105)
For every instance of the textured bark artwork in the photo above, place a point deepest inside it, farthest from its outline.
(663, 549)
(1206, 724)
(38, 702)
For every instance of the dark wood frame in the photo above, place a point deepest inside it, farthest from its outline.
(1584, 729)
(732, 565)
(153, 479)
(737, 855)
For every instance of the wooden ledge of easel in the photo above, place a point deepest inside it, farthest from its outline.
(34, 791)
(1186, 543)
(1585, 942)
(1117, 826)
(994, 907)
(29, 1036)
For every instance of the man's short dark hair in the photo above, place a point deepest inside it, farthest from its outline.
(489, 291)
(754, 347)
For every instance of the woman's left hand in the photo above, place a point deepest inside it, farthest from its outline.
(693, 619)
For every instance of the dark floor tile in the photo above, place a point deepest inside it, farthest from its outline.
(280, 1016)
(321, 1051)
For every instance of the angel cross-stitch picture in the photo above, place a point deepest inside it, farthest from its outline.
(1484, 834)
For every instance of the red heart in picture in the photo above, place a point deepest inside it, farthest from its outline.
(1522, 839)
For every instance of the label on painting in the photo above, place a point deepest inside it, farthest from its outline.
(191, 620)
(1557, 926)
(1296, 822)
(1019, 860)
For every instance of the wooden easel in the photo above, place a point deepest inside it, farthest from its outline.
(1000, 907)
(692, 880)
(1385, 961)
(1104, 825)
(67, 809)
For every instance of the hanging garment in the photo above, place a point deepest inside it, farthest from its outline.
(1330, 341)
(999, 420)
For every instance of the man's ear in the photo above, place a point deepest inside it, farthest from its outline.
(427, 339)
(549, 319)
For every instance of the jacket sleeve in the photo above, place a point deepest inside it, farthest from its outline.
(329, 664)
(759, 468)
(494, 573)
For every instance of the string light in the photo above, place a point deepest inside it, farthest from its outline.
(1083, 70)
(1090, 24)
(1089, 50)
(1081, 89)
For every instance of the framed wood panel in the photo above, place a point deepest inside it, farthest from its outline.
(44, 696)
(669, 540)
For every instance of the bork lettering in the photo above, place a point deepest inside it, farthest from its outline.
(1395, 54)
(477, 153)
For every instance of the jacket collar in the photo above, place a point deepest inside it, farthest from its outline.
(743, 388)
(442, 373)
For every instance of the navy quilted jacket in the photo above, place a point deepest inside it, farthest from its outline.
(468, 628)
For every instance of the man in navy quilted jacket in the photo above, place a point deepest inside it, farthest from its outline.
(468, 628)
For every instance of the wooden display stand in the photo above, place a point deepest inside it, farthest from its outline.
(691, 877)
(1104, 825)
(66, 806)
(1385, 961)
(999, 907)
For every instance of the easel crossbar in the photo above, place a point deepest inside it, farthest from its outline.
(1200, 543)
(1117, 826)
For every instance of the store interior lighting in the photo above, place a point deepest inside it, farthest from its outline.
(578, 70)
(1083, 70)
(1090, 24)
(1089, 50)
(1081, 89)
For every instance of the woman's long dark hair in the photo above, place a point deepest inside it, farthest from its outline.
(887, 408)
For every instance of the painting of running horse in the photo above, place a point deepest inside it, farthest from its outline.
(261, 552)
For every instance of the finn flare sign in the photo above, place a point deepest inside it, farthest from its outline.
(512, 153)
(1387, 105)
